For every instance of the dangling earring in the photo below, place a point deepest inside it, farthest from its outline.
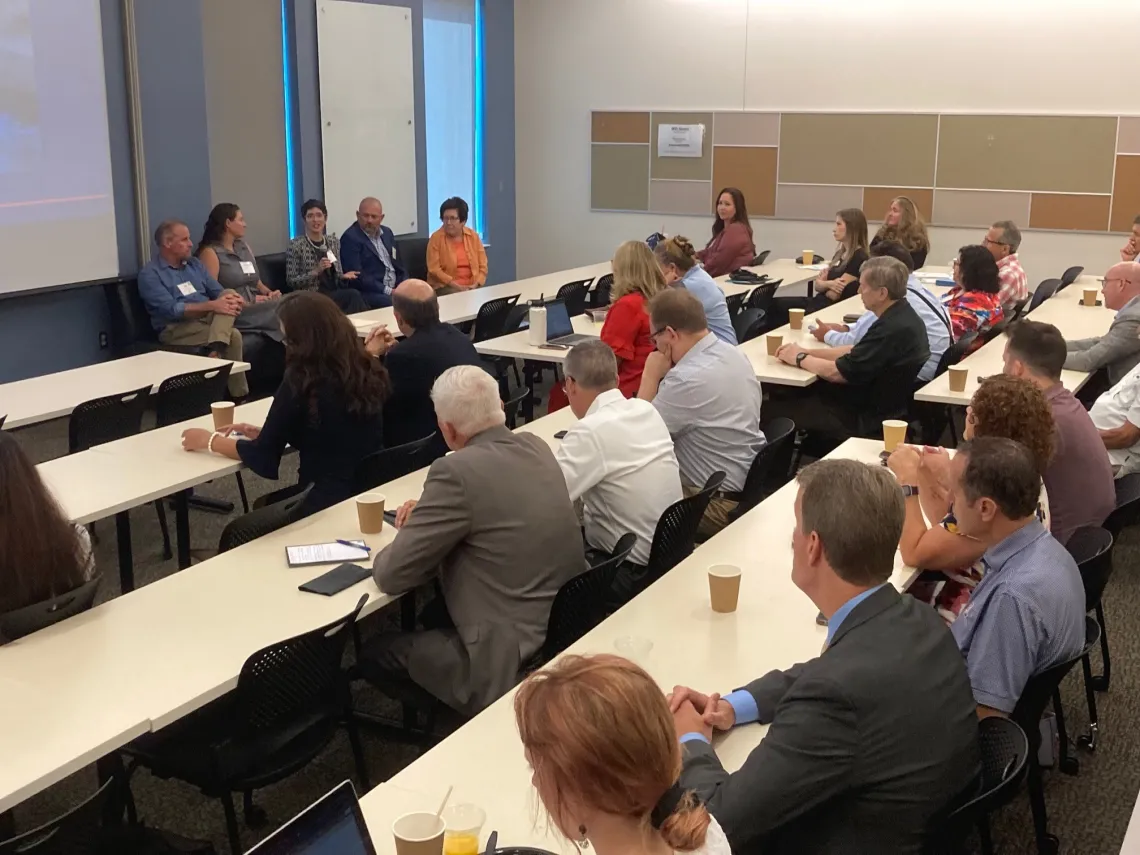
(584, 843)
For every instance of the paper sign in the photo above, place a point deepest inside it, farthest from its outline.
(680, 140)
(329, 255)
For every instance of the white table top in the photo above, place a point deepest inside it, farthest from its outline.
(38, 399)
(1063, 310)
(773, 627)
(516, 344)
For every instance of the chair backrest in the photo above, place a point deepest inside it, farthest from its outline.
(760, 259)
(20, 622)
(1044, 291)
(993, 332)
(1070, 276)
(1035, 697)
(1127, 511)
(2, 419)
(1091, 548)
(600, 296)
(189, 395)
(1017, 309)
(262, 521)
(676, 531)
(492, 317)
(106, 419)
(511, 405)
(71, 833)
(770, 465)
(955, 352)
(761, 296)
(581, 603)
(388, 464)
(735, 303)
(816, 258)
(515, 317)
(131, 330)
(298, 676)
(272, 270)
(412, 253)
(748, 324)
(574, 295)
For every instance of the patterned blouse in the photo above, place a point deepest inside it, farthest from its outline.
(972, 311)
(301, 258)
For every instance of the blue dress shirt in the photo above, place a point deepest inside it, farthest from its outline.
(158, 288)
(702, 286)
(742, 702)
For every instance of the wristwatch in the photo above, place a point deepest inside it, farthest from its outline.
(800, 357)
(909, 491)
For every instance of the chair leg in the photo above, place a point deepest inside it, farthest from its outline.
(1100, 681)
(357, 753)
(254, 816)
(1088, 741)
(126, 556)
(984, 836)
(1047, 844)
(241, 492)
(167, 552)
(1067, 763)
(232, 829)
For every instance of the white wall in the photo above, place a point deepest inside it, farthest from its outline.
(574, 56)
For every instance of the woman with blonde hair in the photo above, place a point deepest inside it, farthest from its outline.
(599, 736)
(637, 279)
(904, 224)
(678, 260)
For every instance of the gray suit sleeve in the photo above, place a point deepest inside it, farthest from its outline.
(1121, 340)
(439, 521)
(805, 760)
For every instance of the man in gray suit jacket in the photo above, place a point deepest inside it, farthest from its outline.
(870, 740)
(1118, 350)
(496, 527)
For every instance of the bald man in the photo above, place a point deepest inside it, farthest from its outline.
(1118, 350)
(428, 349)
(368, 247)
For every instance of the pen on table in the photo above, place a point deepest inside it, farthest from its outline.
(363, 546)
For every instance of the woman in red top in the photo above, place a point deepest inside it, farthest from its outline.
(731, 245)
(637, 279)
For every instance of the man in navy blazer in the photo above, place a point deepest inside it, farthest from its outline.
(369, 248)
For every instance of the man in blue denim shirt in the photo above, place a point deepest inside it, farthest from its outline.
(186, 305)
(872, 738)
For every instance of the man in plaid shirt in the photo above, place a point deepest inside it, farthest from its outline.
(1002, 240)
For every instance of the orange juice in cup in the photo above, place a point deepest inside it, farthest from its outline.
(462, 824)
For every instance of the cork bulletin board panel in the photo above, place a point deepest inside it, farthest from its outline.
(1059, 173)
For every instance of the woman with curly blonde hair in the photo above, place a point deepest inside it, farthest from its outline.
(1004, 406)
(903, 223)
(637, 280)
(599, 736)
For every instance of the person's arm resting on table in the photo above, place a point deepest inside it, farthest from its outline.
(1121, 340)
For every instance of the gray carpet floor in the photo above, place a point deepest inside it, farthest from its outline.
(1089, 812)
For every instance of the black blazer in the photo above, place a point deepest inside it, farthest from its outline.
(868, 741)
(413, 365)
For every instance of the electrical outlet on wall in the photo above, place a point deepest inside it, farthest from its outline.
(103, 344)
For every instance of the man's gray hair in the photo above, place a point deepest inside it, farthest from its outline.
(1010, 234)
(886, 272)
(164, 229)
(467, 398)
(593, 365)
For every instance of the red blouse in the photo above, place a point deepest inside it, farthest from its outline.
(626, 330)
(730, 249)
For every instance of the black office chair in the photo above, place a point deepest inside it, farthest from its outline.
(676, 532)
(72, 833)
(511, 405)
(1044, 291)
(272, 270)
(1127, 511)
(1091, 548)
(600, 295)
(290, 699)
(1041, 690)
(993, 332)
(735, 303)
(1069, 277)
(262, 521)
(1005, 756)
(761, 296)
(932, 418)
(769, 469)
(574, 295)
(3, 418)
(492, 317)
(412, 253)
(748, 324)
(760, 259)
(1017, 310)
(388, 464)
(20, 622)
(131, 331)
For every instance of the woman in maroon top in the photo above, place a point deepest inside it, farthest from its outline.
(731, 245)
(637, 279)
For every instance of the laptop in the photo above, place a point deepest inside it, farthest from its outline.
(333, 825)
(559, 328)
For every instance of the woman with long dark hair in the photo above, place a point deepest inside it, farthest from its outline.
(329, 406)
(42, 554)
(731, 245)
(975, 300)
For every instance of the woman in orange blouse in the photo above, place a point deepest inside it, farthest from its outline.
(456, 259)
(637, 279)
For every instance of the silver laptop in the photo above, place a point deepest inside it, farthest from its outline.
(333, 825)
(559, 328)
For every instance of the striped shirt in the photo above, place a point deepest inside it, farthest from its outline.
(1014, 285)
(1025, 616)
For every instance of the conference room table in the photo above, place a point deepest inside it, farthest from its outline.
(77, 691)
(39, 399)
(688, 644)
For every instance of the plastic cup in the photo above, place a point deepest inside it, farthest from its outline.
(418, 834)
(894, 433)
(774, 342)
(958, 375)
(795, 318)
(808, 257)
(462, 824)
(370, 512)
(1090, 295)
(634, 648)
(724, 587)
(223, 412)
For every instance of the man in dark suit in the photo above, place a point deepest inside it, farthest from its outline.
(368, 248)
(429, 348)
(870, 740)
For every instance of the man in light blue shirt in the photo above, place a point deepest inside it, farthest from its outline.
(925, 304)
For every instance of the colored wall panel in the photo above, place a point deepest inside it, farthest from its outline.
(753, 171)
(1069, 212)
(680, 197)
(848, 148)
(1125, 193)
(979, 208)
(685, 168)
(619, 177)
(815, 201)
(746, 129)
(1128, 136)
(876, 201)
(619, 127)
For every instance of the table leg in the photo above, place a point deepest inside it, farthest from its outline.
(532, 384)
(182, 527)
(126, 558)
(408, 624)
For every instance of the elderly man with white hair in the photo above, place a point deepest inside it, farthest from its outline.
(495, 526)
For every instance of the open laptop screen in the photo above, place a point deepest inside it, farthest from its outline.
(332, 826)
(558, 321)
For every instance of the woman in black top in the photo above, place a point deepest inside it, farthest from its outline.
(329, 406)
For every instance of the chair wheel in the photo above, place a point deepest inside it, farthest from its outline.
(255, 817)
(1052, 845)
(1070, 765)
(1100, 683)
(1087, 743)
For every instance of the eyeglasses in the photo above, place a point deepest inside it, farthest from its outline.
(450, 220)
(653, 335)
(994, 242)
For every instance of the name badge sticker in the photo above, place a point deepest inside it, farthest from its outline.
(185, 289)
(247, 268)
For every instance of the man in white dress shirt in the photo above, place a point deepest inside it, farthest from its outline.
(618, 459)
